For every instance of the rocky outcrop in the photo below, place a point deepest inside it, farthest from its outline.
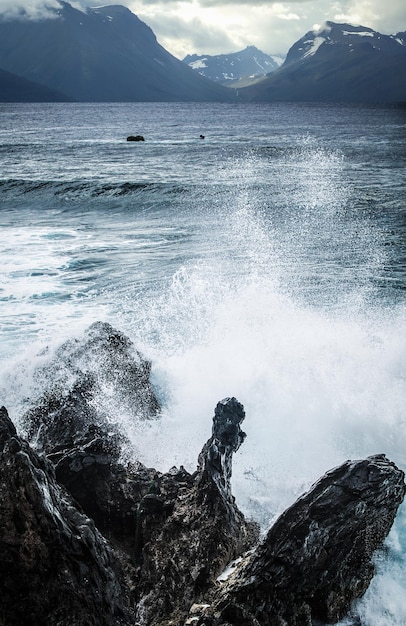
(182, 557)
(88, 537)
(317, 558)
(170, 534)
(70, 423)
(87, 382)
(55, 566)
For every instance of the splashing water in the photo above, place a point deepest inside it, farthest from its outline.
(267, 287)
(283, 316)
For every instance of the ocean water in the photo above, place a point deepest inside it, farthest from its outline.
(266, 262)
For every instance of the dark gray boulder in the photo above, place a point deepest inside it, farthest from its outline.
(317, 558)
(88, 382)
(55, 567)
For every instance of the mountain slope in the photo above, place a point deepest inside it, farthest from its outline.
(103, 54)
(13, 88)
(339, 63)
(227, 69)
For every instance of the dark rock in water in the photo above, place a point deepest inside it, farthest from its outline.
(135, 138)
(7, 428)
(82, 441)
(88, 382)
(70, 424)
(216, 457)
(55, 567)
(89, 538)
(172, 533)
(316, 559)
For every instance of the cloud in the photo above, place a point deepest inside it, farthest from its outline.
(370, 13)
(213, 27)
(40, 9)
(182, 36)
(29, 9)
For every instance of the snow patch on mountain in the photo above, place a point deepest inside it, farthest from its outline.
(199, 64)
(315, 45)
(228, 69)
(359, 33)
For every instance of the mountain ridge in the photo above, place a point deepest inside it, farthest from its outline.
(101, 54)
(14, 88)
(338, 63)
(107, 54)
(231, 69)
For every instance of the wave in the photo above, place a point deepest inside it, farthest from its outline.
(278, 292)
(77, 190)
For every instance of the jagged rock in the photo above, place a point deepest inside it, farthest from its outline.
(316, 559)
(117, 495)
(71, 425)
(157, 542)
(187, 526)
(178, 530)
(87, 381)
(55, 567)
(182, 557)
(83, 442)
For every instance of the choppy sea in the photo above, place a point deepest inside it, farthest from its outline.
(266, 261)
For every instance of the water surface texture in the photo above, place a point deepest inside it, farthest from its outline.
(266, 262)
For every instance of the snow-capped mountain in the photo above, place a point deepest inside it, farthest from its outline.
(98, 54)
(344, 37)
(339, 63)
(230, 69)
(108, 54)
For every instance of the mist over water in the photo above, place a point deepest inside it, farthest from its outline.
(271, 270)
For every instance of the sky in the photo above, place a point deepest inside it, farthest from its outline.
(213, 27)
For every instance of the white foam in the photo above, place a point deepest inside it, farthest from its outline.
(278, 310)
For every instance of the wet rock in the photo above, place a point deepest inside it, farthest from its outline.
(90, 380)
(182, 556)
(55, 567)
(75, 423)
(115, 494)
(171, 533)
(7, 428)
(87, 537)
(135, 138)
(317, 558)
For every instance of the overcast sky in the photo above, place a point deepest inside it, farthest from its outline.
(213, 27)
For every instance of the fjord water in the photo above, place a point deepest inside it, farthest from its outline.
(266, 262)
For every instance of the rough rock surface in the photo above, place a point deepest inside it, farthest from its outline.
(55, 566)
(69, 423)
(205, 531)
(89, 538)
(316, 558)
(171, 534)
(88, 381)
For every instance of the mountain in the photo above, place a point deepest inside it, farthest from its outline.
(100, 54)
(338, 63)
(13, 88)
(232, 69)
